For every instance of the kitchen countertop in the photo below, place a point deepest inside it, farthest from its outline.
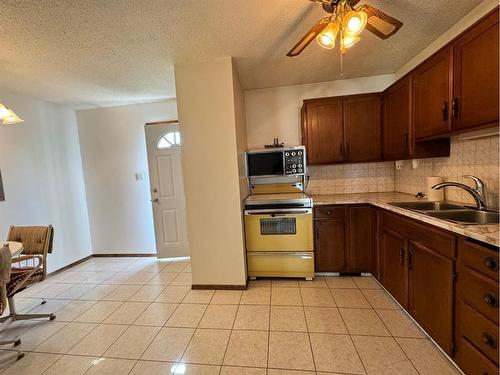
(486, 233)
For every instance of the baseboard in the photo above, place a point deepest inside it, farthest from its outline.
(133, 255)
(53, 273)
(217, 287)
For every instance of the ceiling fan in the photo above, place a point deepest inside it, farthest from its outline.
(346, 22)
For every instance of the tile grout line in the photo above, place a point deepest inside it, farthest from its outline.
(230, 332)
(307, 328)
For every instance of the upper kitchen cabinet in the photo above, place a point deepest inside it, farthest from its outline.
(397, 120)
(432, 91)
(475, 78)
(362, 127)
(397, 126)
(322, 130)
(342, 129)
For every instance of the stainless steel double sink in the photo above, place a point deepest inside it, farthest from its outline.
(451, 212)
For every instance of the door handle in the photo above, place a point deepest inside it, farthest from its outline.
(156, 200)
(455, 106)
(444, 110)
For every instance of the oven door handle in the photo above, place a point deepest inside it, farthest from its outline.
(301, 211)
(302, 255)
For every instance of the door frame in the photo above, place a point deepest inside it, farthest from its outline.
(164, 122)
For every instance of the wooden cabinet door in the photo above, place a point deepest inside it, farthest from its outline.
(431, 293)
(397, 120)
(330, 244)
(394, 272)
(322, 131)
(362, 127)
(361, 229)
(475, 98)
(432, 84)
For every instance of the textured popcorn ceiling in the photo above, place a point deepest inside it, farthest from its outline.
(108, 52)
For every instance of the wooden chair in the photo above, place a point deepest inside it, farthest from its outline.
(31, 266)
(5, 265)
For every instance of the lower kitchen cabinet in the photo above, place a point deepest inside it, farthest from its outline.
(344, 238)
(329, 246)
(477, 307)
(417, 266)
(431, 297)
(393, 254)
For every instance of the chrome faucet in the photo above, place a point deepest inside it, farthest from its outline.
(478, 193)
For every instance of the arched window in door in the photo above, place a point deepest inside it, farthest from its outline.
(168, 140)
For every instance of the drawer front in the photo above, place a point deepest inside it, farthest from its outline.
(480, 258)
(480, 292)
(331, 212)
(272, 264)
(479, 331)
(428, 235)
(472, 361)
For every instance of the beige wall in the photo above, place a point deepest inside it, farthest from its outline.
(207, 112)
(113, 147)
(241, 132)
(275, 112)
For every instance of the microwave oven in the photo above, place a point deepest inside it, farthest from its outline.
(275, 162)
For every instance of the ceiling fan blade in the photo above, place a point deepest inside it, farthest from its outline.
(309, 37)
(379, 23)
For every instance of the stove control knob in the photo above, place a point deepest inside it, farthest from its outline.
(287, 154)
(293, 153)
(294, 165)
(300, 170)
(294, 170)
(300, 165)
(299, 153)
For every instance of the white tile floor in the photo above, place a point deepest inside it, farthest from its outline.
(139, 316)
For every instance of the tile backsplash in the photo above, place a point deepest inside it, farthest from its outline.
(351, 178)
(478, 157)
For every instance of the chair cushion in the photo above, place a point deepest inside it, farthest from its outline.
(33, 238)
(18, 275)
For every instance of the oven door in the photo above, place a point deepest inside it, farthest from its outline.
(279, 230)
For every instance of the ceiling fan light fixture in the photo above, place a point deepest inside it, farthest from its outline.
(327, 37)
(348, 42)
(354, 23)
(3, 111)
(8, 116)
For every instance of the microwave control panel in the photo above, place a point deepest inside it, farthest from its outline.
(294, 161)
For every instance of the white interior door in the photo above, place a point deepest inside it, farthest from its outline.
(167, 189)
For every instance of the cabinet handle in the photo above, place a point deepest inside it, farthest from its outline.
(410, 260)
(444, 110)
(401, 256)
(405, 141)
(491, 263)
(490, 300)
(342, 151)
(347, 150)
(488, 340)
(455, 106)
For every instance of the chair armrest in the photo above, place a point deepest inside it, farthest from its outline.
(22, 258)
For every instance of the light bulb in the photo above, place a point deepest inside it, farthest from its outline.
(349, 41)
(4, 112)
(11, 118)
(354, 22)
(326, 38)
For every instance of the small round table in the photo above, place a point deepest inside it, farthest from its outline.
(16, 248)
